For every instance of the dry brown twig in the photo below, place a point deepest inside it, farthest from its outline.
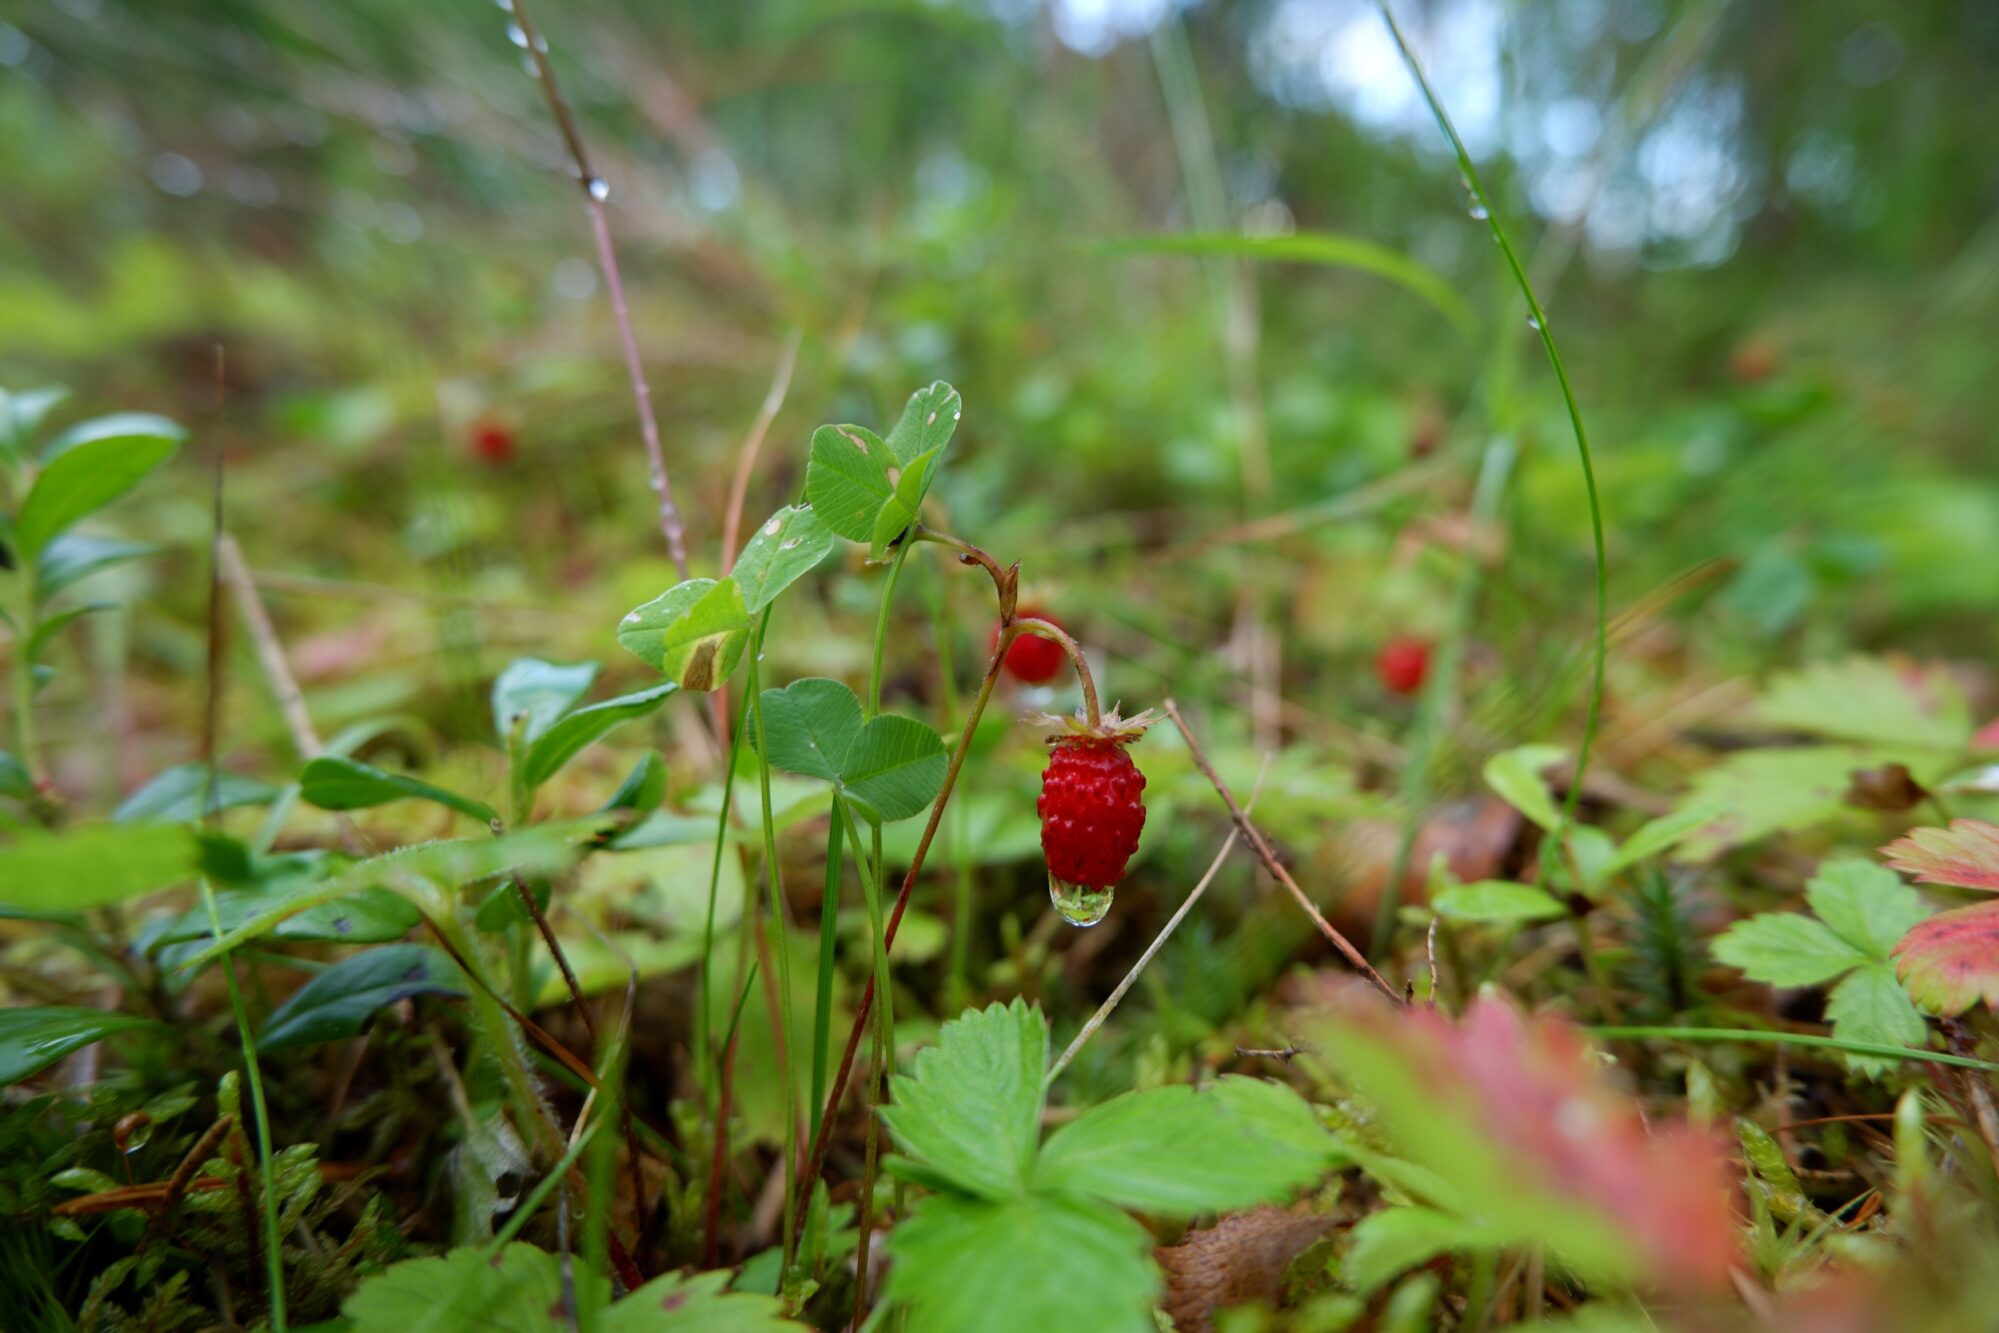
(1263, 851)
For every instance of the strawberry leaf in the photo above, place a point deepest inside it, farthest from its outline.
(968, 1114)
(1864, 904)
(1871, 1006)
(1951, 961)
(1036, 1261)
(1966, 854)
(1786, 949)
(1872, 701)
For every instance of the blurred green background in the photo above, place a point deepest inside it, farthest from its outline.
(1764, 233)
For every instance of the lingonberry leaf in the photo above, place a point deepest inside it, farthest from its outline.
(1966, 854)
(786, 548)
(927, 422)
(74, 555)
(569, 734)
(33, 1039)
(1154, 1150)
(694, 633)
(338, 1002)
(333, 783)
(642, 788)
(87, 468)
(1512, 1124)
(21, 414)
(532, 694)
(179, 794)
(1031, 1261)
(1871, 701)
(968, 1114)
(93, 865)
(1951, 961)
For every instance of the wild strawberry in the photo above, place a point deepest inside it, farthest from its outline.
(1032, 659)
(1403, 663)
(1091, 814)
(493, 442)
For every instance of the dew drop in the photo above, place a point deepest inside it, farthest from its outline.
(600, 190)
(770, 528)
(1079, 904)
(517, 35)
(789, 543)
(1534, 323)
(1476, 210)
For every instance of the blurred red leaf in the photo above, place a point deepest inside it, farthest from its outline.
(1555, 1127)
(1965, 854)
(1951, 961)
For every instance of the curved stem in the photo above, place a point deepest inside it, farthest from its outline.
(1048, 629)
(1539, 319)
(1006, 581)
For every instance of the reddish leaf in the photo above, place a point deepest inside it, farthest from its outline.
(1965, 854)
(1951, 961)
(1509, 1110)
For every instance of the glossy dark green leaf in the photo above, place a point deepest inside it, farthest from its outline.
(177, 794)
(75, 555)
(338, 1002)
(561, 740)
(533, 694)
(88, 474)
(33, 1039)
(333, 783)
(643, 786)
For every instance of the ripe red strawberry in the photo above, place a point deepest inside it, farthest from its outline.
(493, 443)
(1091, 814)
(1403, 663)
(1032, 659)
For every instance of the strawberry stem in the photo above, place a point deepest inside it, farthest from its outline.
(1048, 629)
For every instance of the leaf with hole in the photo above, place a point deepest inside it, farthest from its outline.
(785, 549)
(33, 1039)
(338, 1002)
(333, 783)
(178, 794)
(562, 740)
(693, 633)
(88, 473)
(532, 694)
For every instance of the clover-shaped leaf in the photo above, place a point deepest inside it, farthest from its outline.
(890, 767)
(694, 633)
(871, 490)
(787, 547)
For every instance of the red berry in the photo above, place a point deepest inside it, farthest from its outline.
(1091, 814)
(493, 442)
(1403, 663)
(1032, 659)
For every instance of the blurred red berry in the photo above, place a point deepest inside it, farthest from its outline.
(1402, 664)
(1032, 659)
(493, 443)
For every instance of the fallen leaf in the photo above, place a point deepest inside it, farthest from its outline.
(1240, 1259)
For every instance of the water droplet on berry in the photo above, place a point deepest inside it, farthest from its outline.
(1079, 904)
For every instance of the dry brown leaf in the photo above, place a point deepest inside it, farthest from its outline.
(1239, 1259)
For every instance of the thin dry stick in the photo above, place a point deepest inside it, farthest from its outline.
(595, 191)
(1273, 865)
(1144, 960)
(270, 653)
(753, 443)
